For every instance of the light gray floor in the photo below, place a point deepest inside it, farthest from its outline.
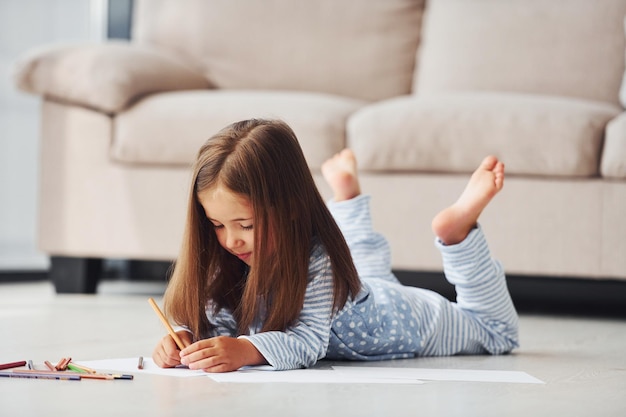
(582, 361)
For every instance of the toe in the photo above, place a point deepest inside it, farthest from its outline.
(489, 162)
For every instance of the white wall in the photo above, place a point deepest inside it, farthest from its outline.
(25, 24)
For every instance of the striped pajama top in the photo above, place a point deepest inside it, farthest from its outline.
(388, 320)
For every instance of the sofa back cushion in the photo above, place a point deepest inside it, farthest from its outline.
(570, 48)
(363, 49)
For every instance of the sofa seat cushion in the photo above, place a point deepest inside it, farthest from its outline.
(533, 135)
(169, 128)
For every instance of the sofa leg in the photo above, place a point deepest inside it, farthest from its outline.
(75, 275)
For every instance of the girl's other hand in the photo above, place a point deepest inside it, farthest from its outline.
(221, 354)
(166, 353)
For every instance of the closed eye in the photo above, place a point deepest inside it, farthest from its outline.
(247, 227)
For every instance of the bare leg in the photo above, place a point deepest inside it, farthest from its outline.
(340, 173)
(453, 224)
(370, 250)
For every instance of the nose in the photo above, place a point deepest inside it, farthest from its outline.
(233, 240)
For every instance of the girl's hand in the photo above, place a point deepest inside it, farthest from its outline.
(166, 353)
(221, 354)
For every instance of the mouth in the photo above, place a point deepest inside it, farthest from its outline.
(244, 256)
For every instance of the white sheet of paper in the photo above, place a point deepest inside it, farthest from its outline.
(336, 375)
(306, 376)
(129, 366)
(439, 374)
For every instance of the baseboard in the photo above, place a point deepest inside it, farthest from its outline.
(10, 276)
(544, 295)
(530, 294)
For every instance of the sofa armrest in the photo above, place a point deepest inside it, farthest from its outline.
(103, 76)
(613, 163)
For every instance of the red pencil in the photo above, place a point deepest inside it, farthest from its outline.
(12, 365)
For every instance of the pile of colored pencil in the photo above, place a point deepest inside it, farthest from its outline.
(65, 369)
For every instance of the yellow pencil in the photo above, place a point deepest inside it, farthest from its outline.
(166, 323)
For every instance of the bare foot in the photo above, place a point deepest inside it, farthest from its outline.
(341, 174)
(453, 224)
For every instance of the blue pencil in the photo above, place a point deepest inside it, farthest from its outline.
(18, 374)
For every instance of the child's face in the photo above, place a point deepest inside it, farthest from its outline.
(231, 215)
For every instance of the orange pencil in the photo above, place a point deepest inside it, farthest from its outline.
(96, 376)
(166, 323)
(59, 365)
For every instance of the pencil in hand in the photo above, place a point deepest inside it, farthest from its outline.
(166, 323)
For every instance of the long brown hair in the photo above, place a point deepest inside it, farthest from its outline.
(261, 160)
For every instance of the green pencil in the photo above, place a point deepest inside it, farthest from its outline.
(76, 368)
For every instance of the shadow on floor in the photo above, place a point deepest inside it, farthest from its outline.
(530, 294)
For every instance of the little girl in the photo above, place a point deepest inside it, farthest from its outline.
(270, 274)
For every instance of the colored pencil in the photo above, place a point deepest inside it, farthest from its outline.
(96, 376)
(66, 362)
(123, 376)
(49, 365)
(59, 366)
(40, 375)
(140, 364)
(166, 323)
(12, 365)
(84, 368)
(82, 375)
(74, 368)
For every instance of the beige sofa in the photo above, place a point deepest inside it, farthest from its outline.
(421, 92)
